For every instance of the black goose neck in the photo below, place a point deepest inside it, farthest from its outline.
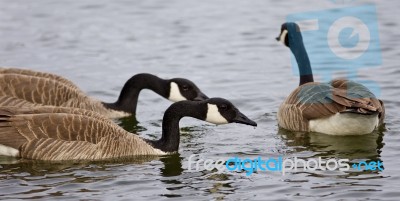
(170, 138)
(128, 98)
(299, 51)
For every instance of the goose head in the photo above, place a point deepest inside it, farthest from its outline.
(290, 32)
(222, 111)
(176, 89)
(291, 37)
(183, 89)
(213, 110)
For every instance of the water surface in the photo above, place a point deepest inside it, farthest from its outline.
(228, 49)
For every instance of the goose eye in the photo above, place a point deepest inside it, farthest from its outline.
(223, 107)
(185, 87)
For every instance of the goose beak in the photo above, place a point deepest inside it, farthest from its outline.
(201, 97)
(242, 119)
(277, 38)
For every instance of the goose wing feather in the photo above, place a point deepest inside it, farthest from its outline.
(39, 75)
(319, 100)
(10, 101)
(37, 89)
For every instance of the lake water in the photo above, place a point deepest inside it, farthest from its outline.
(228, 49)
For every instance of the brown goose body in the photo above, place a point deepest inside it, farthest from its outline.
(316, 101)
(49, 89)
(66, 134)
(54, 133)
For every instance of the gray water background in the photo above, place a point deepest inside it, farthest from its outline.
(228, 49)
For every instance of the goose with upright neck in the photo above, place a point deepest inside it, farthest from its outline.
(50, 89)
(340, 107)
(73, 134)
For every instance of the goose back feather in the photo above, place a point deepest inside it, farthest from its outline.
(37, 89)
(51, 76)
(45, 91)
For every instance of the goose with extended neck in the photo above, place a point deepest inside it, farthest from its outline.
(54, 133)
(50, 89)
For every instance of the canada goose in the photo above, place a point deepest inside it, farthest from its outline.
(60, 135)
(340, 107)
(49, 89)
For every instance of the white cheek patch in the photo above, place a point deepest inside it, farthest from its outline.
(283, 36)
(175, 94)
(213, 115)
(8, 151)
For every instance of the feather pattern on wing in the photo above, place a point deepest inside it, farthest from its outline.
(38, 74)
(46, 135)
(320, 100)
(46, 91)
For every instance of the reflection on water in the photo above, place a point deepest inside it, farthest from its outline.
(44, 167)
(329, 146)
(172, 165)
(38, 179)
(130, 124)
(356, 148)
